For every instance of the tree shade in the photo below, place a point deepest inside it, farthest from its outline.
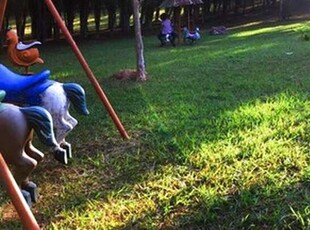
(176, 3)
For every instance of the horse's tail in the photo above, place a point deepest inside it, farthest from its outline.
(41, 121)
(76, 95)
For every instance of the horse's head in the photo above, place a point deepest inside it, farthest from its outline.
(185, 30)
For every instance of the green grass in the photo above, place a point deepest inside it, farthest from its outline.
(219, 136)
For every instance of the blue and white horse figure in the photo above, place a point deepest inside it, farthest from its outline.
(55, 97)
(191, 37)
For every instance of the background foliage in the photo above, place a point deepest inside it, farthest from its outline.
(86, 17)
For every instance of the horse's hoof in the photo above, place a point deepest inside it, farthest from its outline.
(61, 156)
(68, 149)
(32, 189)
(27, 197)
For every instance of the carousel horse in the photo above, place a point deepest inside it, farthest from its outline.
(17, 125)
(55, 97)
(191, 37)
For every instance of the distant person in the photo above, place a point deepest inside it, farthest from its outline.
(167, 33)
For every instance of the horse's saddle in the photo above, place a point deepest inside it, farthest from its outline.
(21, 89)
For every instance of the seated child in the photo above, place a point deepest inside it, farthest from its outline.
(167, 33)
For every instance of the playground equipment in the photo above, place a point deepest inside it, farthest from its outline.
(20, 54)
(177, 5)
(60, 22)
(17, 125)
(191, 37)
(24, 213)
(55, 97)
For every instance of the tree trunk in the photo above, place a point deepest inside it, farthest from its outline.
(69, 10)
(39, 20)
(205, 11)
(157, 13)
(97, 14)
(237, 6)
(225, 9)
(124, 21)
(285, 11)
(139, 42)
(19, 11)
(56, 30)
(84, 5)
(148, 8)
(34, 15)
(111, 7)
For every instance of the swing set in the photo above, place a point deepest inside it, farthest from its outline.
(15, 194)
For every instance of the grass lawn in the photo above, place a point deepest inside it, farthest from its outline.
(219, 136)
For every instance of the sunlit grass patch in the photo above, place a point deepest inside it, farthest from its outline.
(270, 29)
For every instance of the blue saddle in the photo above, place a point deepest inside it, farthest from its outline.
(21, 89)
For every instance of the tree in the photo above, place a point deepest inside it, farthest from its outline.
(84, 11)
(139, 42)
(148, 9)
(285, 9)
(111, 7)
(124, 14)
(39, 19)
(19, 10)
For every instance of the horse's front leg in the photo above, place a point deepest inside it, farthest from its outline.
(24, 165)
(60, 154)
(66, 145)
(62, 128)
(28, 186)
(32, 151)
(72, 121)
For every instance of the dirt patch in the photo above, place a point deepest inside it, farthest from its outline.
(126, 75)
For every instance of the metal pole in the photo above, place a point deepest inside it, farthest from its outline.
(3, 4)
(86, 68)
(17, 198)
